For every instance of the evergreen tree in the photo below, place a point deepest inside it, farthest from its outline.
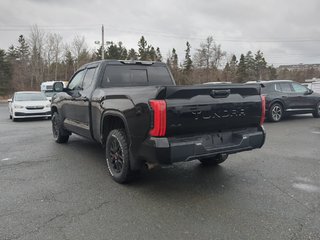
(132, 54)
(174, 60)
(143, 49)
(23, 49)
(260, 66)
(5, 74)
(152, 55)
(12, 53)
(158, 55)
(272, 73)
(250, 66)
(242, 75)
(116, 51)
(187, 64)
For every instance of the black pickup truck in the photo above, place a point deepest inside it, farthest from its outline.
(137, 112)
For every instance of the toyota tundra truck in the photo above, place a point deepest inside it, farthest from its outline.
(137, 112)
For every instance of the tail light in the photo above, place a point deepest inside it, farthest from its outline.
(159, 108)
(263, 109)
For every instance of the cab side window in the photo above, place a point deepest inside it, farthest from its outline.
(76, 81)
(286, 87)
(88, 78)
(299, 88)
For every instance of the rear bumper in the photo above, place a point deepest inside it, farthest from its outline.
(178, 149)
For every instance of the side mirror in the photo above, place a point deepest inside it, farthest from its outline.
(10, 100)
(308, 92)
(58, 87)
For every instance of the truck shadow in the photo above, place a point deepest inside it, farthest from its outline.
(179, 179)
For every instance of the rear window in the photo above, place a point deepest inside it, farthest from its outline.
(135, 75)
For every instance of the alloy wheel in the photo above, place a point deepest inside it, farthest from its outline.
(116, 155)
(276, 113)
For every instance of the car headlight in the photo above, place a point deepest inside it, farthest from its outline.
(18, 106)
(48, 105)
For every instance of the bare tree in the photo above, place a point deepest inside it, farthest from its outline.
(79, 50)
(36, 43)
(209, 56)
(48, 52)
(57, 50)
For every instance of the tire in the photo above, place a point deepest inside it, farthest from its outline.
(276, 112)
(60, 135)
(213, 161)
(10, 116)
(316, 112)
(117, 156)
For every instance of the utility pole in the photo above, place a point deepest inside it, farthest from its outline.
(102, 44)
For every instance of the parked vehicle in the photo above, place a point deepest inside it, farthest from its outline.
(47, 88)
(135, 110)
(285, 97)
(29, 104)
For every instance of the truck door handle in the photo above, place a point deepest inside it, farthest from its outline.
(220, 93)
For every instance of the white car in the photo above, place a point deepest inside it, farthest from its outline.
(29, 104)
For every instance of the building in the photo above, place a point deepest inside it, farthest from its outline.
(300, 66)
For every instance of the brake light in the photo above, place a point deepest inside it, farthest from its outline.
(159, 108)
(263, 109)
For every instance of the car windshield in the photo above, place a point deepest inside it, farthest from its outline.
(30, 97)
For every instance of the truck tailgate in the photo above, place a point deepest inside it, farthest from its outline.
(203, 109)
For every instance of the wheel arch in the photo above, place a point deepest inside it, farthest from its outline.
(110, 120)
(279, 101)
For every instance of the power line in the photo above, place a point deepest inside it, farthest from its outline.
(151, 32)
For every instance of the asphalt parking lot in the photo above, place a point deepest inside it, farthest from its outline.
(53, 191)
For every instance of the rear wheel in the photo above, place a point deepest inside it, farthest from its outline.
(59, 133)
(117, 156)
(212, 161)
(275, 112)
(316, 112)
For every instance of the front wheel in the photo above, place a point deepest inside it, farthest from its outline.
(275, 112)
(212, 161)
(60, 135)
(316, 112)
(117, 156)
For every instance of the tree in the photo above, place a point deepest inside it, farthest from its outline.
(57, 49)
(5, 74)
(116, 51)
(36, 43)
(68, 63)
(272, 73)
(158, 55)
(260, 66)
(187, 64)
(172, 62)
(143, 49)
(242, 70)
(209, 56)
(23, 49)
(250, 66)
(132, 54)
(79, 51)
(151, 55)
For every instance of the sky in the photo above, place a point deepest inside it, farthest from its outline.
(286, 31)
